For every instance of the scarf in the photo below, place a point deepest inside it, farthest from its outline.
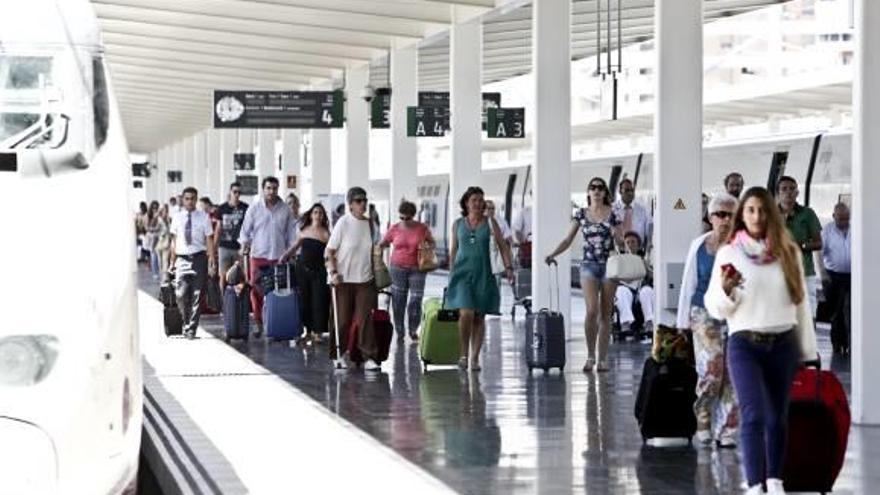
(759, 251)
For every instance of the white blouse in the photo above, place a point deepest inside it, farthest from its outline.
(762, 302)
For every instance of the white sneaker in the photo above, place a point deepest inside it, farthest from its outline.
(371, 365)
(755, 490)
(774, 486)
(704, 437)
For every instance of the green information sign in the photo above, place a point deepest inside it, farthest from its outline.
(506, 122)
(380, 109)
(426, 122)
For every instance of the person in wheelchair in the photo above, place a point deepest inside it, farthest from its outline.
(634, 301)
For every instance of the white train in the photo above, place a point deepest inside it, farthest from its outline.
(70, 364)
(823, 174)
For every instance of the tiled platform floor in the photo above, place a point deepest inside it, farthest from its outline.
(501, 431)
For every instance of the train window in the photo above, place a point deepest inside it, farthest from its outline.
(26, 84)
(437, 190)
(100, 102)
(434, 214)
(25, 72)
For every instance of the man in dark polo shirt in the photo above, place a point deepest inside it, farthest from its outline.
(804, 227)
(231, 216)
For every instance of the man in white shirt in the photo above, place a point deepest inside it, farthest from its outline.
(192, 256)
(836, 256)
(267, 232)
(522, 234)
(633, 217)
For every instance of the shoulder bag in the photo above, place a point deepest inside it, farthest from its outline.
(427, 257)
(381, 275)
(625, 267)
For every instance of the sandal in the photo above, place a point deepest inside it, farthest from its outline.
(475, 367)
(603, 367)
(588, 367)
(463, 363)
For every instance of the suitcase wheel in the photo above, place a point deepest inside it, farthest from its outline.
(546, 370)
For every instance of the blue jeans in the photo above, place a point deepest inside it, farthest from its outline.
(762, 374)
(407, 289)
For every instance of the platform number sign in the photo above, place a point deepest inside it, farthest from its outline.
(278, 109)
(174, 176)
(506, 123)
(426, 122)
(380, 109)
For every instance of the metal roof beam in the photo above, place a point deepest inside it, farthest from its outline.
(308, 22)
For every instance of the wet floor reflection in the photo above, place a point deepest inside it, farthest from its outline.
(502, 431)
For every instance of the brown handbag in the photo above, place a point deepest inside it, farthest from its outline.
(427, 258)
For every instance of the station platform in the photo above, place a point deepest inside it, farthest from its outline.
(269, 418)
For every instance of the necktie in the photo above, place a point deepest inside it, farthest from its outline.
(628, 219)
(188, 230)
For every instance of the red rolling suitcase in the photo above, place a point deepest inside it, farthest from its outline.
(818, 429)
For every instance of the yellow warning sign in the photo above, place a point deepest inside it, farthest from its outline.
(679, 205)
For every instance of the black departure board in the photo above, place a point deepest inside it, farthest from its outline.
(278, 109)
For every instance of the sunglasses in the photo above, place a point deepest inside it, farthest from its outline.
(596, 187)
(722, 214)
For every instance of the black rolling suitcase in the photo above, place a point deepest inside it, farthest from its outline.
(545, 336)
(173, 318)
(665, 401)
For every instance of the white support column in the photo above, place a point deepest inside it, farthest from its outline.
(865, 226)
(321, 164)
(228, 145)
(678, 134)
(151, 183)
(266, 165)
(246, 144)
(212, 158)
(404, 152)
(357, 145)
(291, 161)
(551, 46)
(189, 161)
(161, 171)
(180, 165)
(200, 171)
(466, 102)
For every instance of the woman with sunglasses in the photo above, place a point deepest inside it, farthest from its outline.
(758, 286)
(715, 397)
(472, 287)
(407, 282)
(311, 275)
(600, 228)
(349, 256)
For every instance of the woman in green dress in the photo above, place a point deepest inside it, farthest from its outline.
(472, 287)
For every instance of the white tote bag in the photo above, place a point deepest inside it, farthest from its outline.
(625, 267)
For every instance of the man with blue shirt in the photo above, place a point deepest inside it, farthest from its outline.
(836, 256)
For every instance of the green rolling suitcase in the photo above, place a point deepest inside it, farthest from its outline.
(439, 341)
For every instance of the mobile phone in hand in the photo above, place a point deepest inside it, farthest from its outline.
(729, 270)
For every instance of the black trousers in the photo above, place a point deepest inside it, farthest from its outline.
(837, 293)
(191, 275)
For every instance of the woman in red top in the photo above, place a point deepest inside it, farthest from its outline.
(408, 283)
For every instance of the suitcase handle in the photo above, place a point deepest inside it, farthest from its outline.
(555, 268)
